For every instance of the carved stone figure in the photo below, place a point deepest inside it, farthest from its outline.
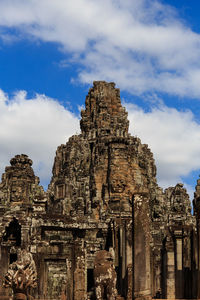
(22, 276)
(105, 276)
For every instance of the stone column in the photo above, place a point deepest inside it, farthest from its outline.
(179, 258)
(129, 274)
(69, 279)
(142, 268)
(128, 243)
(80, 276)
(123, 248)
(198, 242)
(179, 286)
(4, 262)
(196, 203)
(170, 269)
(156, 271)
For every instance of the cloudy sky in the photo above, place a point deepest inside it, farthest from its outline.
(51, 52)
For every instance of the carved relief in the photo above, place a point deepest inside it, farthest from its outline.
(104, 276)
(21, 275)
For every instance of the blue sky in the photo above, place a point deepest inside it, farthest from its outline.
(51, 51)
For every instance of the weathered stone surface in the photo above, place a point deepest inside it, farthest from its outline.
(103, 198)
(21, 275)
(174, 244)
(105, 277)
(95, 176)
(19, 184)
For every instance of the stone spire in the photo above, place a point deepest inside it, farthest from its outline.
(178, 204)
(104, 114)
(19, 183)
(196, 201)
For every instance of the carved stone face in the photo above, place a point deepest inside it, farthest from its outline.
(120, 187)
(18, 191)
(118, 183)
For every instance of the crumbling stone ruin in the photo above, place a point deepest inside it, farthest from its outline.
(104, 229)
(105, 277)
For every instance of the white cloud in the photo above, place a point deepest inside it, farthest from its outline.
(38, 125)
(141, 45)
(174, 138)
(34, 127)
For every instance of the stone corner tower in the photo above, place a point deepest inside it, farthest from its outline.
(19, 183)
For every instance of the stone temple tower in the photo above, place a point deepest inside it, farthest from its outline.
(98, 174)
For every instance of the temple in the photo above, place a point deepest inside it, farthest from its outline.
(104, 229)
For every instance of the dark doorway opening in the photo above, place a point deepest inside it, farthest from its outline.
(109, 241)
(90, 280)
(13, 233)
(13, 257)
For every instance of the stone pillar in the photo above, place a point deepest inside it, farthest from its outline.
(188, 276)
(129, 283)
(170, 269)
(80, 276)
(128, 243)
(156, 271)
(69, 279)
(196, 203)
(179, 258)
(198, 242)
(141, 267)
(123, 249)
(129, 273)
(179, 286)
(122, 258)
(4, 262)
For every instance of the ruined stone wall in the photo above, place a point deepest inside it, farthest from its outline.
(174, 244)
(21, 197)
